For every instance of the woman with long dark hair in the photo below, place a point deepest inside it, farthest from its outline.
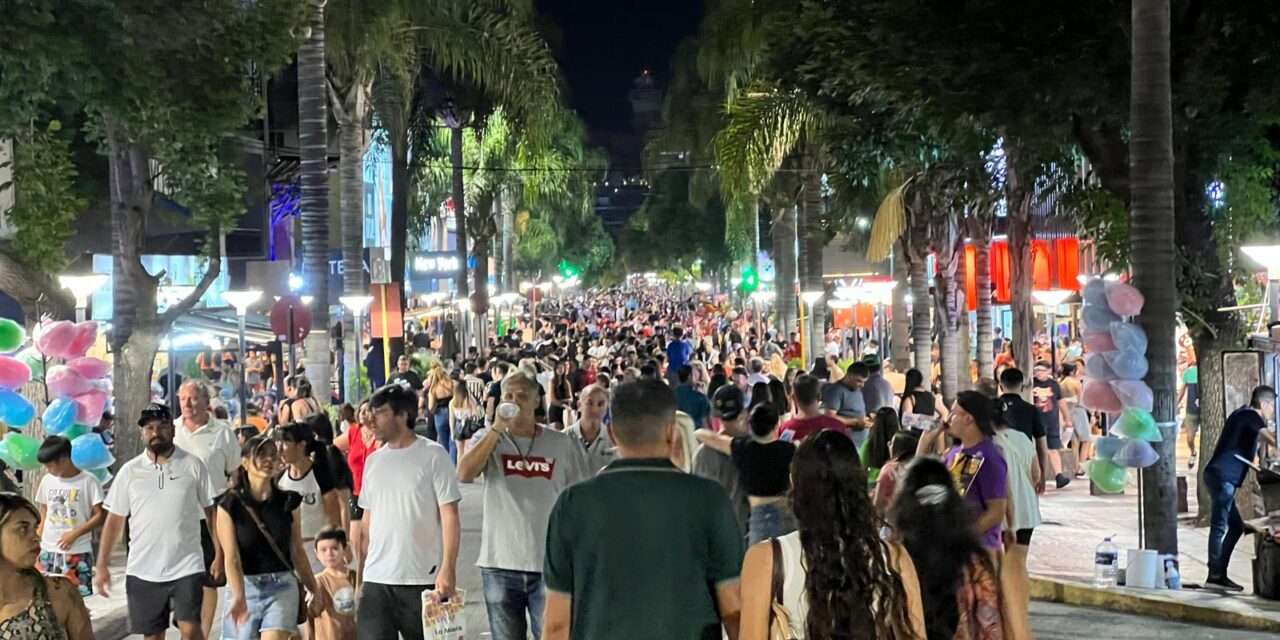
(32, 606)
(778, 397)
(560, 397)
(917, 399)
(958, 580)
(840, 579)
(875, 451)
(260, 532)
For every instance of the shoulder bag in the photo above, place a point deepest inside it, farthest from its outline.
(779, 616)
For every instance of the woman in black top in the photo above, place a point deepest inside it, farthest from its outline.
(764, 469)
(262, 597)
(918, 400)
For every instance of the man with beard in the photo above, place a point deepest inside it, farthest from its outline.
(164, 493)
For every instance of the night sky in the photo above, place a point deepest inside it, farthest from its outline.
(605, 44)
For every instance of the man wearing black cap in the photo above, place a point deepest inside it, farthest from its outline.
(164, 493)
(730, 406)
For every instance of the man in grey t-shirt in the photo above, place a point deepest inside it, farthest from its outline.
(730, 406)
(525, 467)
(843, 400)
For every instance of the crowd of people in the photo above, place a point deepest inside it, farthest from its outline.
(652, 466)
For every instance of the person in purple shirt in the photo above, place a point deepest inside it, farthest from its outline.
(678, 352)
(976, 464)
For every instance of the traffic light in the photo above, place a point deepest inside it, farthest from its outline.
(569, 270)
(750, 279)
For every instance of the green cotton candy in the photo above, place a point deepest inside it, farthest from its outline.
(1137, 424)
(12, 335)
(23, 450)
(1108, 476)
(75, 431)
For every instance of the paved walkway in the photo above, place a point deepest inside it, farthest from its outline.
(1076, 522)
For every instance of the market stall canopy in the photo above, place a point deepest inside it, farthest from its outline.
(222, 323)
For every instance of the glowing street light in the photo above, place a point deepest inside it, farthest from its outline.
(82, 287)
(242, 300)
(1051, 298)
(356, 304)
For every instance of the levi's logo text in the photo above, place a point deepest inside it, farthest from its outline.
(531, 467)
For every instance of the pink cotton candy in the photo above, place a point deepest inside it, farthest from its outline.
(1124, 298)
(64, 382)
(13, 372)
(1099, 396)
(85, 335)
(89, 407)
(1098, 341)
(54, 338)
(91, 368)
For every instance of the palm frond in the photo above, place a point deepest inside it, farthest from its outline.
(889, 224)
(762, 128)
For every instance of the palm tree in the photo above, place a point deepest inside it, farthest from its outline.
(1151, 231)
(896, 226)
(313, 149)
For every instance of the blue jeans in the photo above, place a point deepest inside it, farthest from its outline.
(507, 595)
(273, 606)
(769, 521)
(1225, 524)
(443, 436)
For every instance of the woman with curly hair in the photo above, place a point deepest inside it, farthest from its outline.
(839, 578)
(958, 579)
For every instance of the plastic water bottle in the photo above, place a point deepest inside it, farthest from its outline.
(1105, 561)
(508, 410)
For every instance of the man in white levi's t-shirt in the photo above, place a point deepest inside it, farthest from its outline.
(164, 493)
(410, 500)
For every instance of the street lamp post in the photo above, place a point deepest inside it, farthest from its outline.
(81, 288)
(1269, 257)
(1051, 298)
(242, 300)
(356, 305)
(808, 298)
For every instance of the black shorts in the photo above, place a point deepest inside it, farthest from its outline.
(150, 602)
(1053, 438)
(356, 511)
(1023, 536)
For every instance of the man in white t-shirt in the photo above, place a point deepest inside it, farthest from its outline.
(525, 467)
(410, 500)
(211, 440)
(163, 493)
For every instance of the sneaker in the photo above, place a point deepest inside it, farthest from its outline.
(1191, 462)
(1223, 582)
(1063, 480)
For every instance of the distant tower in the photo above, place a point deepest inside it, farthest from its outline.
(646, 103)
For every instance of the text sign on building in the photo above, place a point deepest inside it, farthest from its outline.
(436, 264)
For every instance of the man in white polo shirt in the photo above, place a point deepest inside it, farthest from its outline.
(163, 493)
(212, 441)
(410, 500)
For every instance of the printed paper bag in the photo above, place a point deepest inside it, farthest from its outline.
(443, 620)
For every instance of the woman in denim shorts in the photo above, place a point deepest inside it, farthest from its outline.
(262, 599)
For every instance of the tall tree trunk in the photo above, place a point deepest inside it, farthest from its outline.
(351, 110)
(1152, 254)
(983, 316)
(1019, 195)
(459, 205)
(813, 240)
(900, 325)
(313, 149)
(921, 325)
(784, 270)
(508, 245)
(948, 303)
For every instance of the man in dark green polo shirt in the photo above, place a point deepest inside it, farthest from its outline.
(642, 550)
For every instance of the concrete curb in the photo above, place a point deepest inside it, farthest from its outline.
(1145, 604)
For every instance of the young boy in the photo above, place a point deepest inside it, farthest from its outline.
(338, 621)
(70, 509)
